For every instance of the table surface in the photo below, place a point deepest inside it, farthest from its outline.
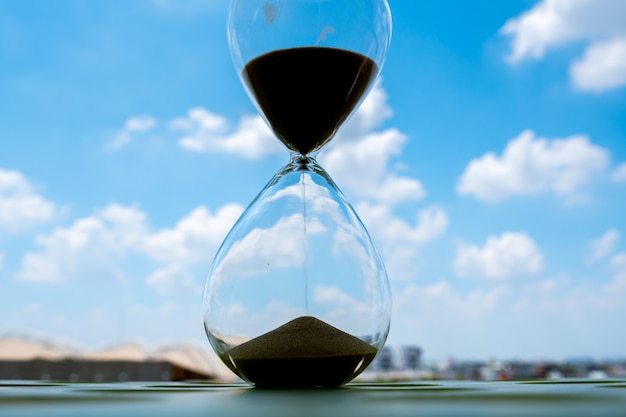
(596, 398)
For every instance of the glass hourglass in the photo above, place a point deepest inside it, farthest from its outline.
(297, 295)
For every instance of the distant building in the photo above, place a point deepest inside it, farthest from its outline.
(411, 358)
(96, 371)
(385, 361)
(32, 359)
(407, 358)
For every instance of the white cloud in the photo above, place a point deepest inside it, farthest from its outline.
(199, 118)
(402, 261)
(279, 245)
(330, 294)
(173, 279)
(552, 24)
(532, 165)
(619, 175)
(603, 246)
(441, 298)
(150, 325)
(20, 206)
(132, 126)
(618, 284)
(510, 254)
(431, 223)
(446, 321)
(359, 159)
(86, 247)
(602, 67)
(371, 114)
(208, 132)
(532, 319)
(343, 310)
(400, 241)
(140, 124)
(194, 237)
(1, 261)
(363, 167)
(582, 299)
(95, 247)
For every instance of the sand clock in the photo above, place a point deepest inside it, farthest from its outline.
(297, 295)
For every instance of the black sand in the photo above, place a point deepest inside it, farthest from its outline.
(306, 93)
(305, 352)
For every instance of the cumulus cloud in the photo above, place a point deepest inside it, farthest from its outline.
(552, 24)
(359, 159)
(194, 237)
(400, 241)
(619, 175)
(209, 132)
(20, 206)
(430, 224)
(372, 113)
(279, 246)
(618, 283)
(602, 67)
(600, 294)
(442, 298)
(603, 246)
(172, 279)
(504, 256)
(341, 308)
(140, 124)
(364, 160)
(330, 294)
(132, 127)
(363, 168)
(85, 247)
(447, 319)
(95, 247)
(532, 165)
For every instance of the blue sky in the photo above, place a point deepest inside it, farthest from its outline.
(488, 163)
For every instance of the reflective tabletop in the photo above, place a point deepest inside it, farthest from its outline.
(601, 398)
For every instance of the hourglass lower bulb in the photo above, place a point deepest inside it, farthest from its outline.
(297, 295)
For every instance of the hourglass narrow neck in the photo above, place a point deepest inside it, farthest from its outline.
(299, 162)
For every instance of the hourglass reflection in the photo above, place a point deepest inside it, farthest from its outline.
(297, 295)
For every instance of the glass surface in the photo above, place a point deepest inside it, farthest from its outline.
(297, 294)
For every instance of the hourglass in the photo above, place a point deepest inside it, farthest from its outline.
(297, 295)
